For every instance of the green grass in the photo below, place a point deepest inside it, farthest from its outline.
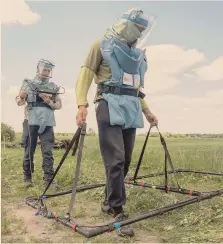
(200, 222)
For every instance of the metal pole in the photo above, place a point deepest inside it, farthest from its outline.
(141, 155)
(77, 170)
(75, 137)
(200, 172)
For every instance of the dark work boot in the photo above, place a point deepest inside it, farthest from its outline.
(119, 216)
(106, 209)
(124, 230)
(28, 183)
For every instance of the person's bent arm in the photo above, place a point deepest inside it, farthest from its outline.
(20, 101)
(57, 104)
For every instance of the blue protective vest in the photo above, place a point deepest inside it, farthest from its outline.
(128, 67)
(41, 116)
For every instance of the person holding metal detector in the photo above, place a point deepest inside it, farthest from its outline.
(119, 69)
(42, 98)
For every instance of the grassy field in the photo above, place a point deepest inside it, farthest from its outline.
(200, 222)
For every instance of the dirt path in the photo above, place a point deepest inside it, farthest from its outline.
(31, 228)
(25, 227)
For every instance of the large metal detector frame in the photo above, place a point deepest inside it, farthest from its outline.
(39, 202)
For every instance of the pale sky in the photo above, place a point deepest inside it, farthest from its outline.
(184, 82)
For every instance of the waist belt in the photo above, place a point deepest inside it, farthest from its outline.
(119, 91)
(40, 104)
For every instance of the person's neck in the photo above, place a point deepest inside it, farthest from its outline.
(42, 80)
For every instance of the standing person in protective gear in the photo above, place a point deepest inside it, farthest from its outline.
(41, 120)
(119, 68)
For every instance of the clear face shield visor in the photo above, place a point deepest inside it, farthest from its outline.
(143, 40)
(45, 69)
(135, 26)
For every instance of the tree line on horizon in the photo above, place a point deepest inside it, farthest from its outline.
(91, 132)
(8, 134)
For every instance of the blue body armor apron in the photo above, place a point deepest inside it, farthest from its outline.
(39, 113)
(128, 67)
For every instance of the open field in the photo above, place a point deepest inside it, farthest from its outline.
(199, 222)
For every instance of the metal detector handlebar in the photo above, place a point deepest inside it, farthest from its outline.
(37, 89)
(50, 91)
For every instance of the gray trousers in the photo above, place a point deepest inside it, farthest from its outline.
(116, 146)
(47, 141)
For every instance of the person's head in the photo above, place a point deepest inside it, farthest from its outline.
(132, 24)
(44, 70)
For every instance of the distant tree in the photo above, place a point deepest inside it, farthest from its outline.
(7, 133)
